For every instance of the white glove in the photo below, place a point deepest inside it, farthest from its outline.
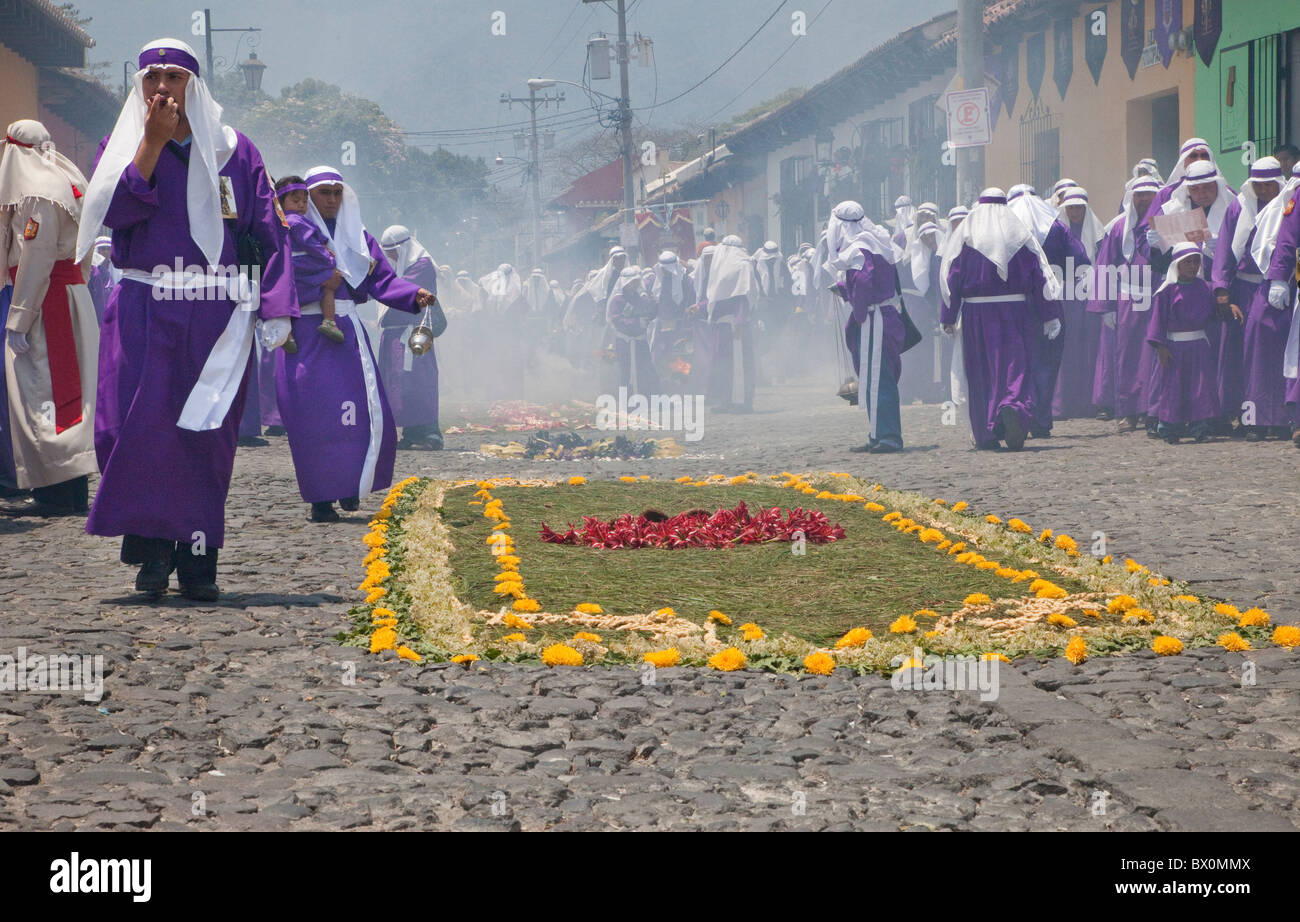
(1278, 295)
(18, 342)
(1153, 239)
(1108, 319)
(949, 329)
(1052, 329)
(275, 332)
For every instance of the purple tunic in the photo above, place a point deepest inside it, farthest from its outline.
(1187, 390)
(158, 480)
(1267, 330)
(1064, 252)
(1080, 335)
(874, 283)
(629, 318)
(1127, 290)
(413, 394)
(101, 286)
(998, 336)
(322, 394)
(1229, 338)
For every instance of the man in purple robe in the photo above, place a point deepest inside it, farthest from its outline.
(1270, 347)
(1067, 257)
(629, 312)
(1184, 392)
(177, 189)
(1081, 329)
(997, 278)
(925, 375)
(1237, 281)
(730, 294)
(1122, 296)
(335, 411)
(672, 293)
(410, 380)
(868, 257)
(1193, 150)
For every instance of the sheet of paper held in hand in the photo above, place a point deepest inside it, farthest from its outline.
(1176, 228)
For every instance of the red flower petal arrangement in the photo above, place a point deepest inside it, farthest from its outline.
(699, 528)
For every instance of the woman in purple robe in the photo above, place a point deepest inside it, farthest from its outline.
(1238, 281)
(868, 257)
(411, 380)
(1184, 393)
(177, 188)
(996, 277)
(336, 414)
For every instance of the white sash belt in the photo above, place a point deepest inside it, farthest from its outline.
(374, 409)
(1188, 336)
(993, 299)
(870, 346)
(223, 371)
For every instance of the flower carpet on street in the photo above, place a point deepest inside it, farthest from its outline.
(785, 572)
(560, 445)
(521, 416)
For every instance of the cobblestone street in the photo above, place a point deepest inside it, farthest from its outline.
(236, 715)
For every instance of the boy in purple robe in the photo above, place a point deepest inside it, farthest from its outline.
(169, 400)
(410, 380)
(1184, 393)
(1238, 281)
(336, 414)
(315, 270)
(1122, 296)
(868, 257)
(996, 277)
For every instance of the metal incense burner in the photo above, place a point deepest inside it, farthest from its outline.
(421, 340)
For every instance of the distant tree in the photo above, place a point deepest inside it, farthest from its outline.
(314, 122)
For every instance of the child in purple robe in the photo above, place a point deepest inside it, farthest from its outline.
(315, 269)
(1185, 389)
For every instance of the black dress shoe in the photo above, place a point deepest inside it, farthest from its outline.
(202, 592)
(275, 430)
(1253, 435)
(252, 441)
(31, 506)
(323, 512)
(883, 448)
(860, 449)
(1012, 434)
(1037, 432)
(350, 504)
(153, 577)
(1105, 415)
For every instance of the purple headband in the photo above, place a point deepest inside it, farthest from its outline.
(290, 187)
(172, 57)
(992, 200)
(1265, 175)
(320, 179)
(1146, 185)
(1076, 195)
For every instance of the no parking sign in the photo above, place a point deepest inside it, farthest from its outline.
(968, 118)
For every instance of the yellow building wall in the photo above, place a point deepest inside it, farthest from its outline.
(17, 87)
(1104, 127)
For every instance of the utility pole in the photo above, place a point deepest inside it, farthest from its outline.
(970, 70)
(534, 165)
(625, 130)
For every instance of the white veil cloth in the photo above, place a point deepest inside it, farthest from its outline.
(212, 144)
(994, 231)
(409, 250)
(349, 237)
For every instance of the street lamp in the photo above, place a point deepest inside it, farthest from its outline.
(824, 141)
(252, 70)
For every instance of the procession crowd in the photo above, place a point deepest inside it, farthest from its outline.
(221, 303)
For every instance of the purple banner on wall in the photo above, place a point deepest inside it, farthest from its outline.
(1132, 34)
(1009, 74)
(1208, 26)
(1095, 34)
(1169, 19)
(1063, 56)
(1035, 61)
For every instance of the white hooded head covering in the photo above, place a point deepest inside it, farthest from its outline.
(1059, 189)
(409, 250)
(1091, 232)
(993, 230)
(848, 232)
(1036, 213)
(1201, 173)
(731, 273)
(1269, 221)
(918, 254)
(1263, 170)
(767, 263)
(503, 286)
(30, 167)
(1181, 252)
(1129, 215)
(1180, 168)
(669, 268)
(904, 213)
(601, 285)
(211, 145)
(349, 237)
